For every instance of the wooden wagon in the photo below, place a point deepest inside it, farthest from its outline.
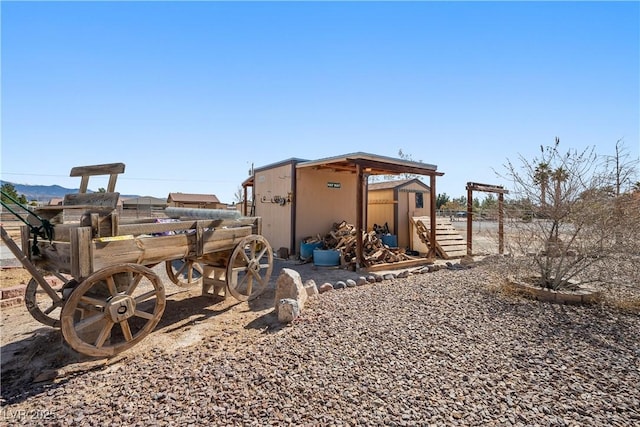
(111, 298)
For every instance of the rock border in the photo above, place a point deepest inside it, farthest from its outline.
(584, 295)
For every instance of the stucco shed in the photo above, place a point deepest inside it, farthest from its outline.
(297, 198)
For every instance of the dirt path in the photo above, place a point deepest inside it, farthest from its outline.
(32, 352)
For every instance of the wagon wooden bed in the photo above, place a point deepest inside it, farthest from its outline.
(111, 298)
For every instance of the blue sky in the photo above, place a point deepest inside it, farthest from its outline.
(190, 94)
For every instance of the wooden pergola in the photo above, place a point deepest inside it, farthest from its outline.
(365, 165)
(487, 188)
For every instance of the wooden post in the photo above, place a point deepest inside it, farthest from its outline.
(469, 221)
(359, 221)
(432, 217)
(244, 202)
(471, 186)
(500, 223)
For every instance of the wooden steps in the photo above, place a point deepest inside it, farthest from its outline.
(449, 243)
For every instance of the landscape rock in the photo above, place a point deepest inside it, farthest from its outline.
(339, 285)
(289, 286)
(361, 281)
(467, 260)
(325, 287)
(288, 310)
(311, 288)
(350, 283)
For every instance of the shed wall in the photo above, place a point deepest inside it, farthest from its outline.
(320, 204)
(270, 187)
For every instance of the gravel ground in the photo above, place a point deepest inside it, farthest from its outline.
(444, 348)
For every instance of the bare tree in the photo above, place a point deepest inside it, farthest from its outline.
(572, 229)
(621, 169)
(238, 196)
(407, 157)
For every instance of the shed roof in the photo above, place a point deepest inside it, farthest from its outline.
(372, 164)
(192, 198)
(387, 185)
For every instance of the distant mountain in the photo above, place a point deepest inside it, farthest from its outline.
(44, 193)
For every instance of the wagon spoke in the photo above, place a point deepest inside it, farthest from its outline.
(262, 253)
(95, 334)
(258, 277)
(134, 284)
(104, 334)
(246, 257)
(181, 269)
(43, 303)
(111, 285)
(145, 296)
(249, 281)
(126, 331)
(253, 273)
(88, 321)
(53, 307)
(184, 272)
(143, 314)
(93, 301)
(250, 259)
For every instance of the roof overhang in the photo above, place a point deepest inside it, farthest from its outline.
(372, 165)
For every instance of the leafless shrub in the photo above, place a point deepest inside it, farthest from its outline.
(567, 219)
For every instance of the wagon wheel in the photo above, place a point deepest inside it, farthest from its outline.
(130, 296)
(184, 272)
(249, 268)
(41, 305)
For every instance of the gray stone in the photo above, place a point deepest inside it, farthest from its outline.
(350, 283)
(288, 310)
(340, 285)
(289, 285)
(389, 276)
(371, 279)
(403, 274)
(361, 281)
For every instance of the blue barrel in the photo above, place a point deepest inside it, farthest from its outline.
(306, 249)
(326, 258)
(390, 240)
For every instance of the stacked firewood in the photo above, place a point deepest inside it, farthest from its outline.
(342, 237)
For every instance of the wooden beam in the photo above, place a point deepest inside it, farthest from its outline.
(487, 188)
(469, 221)
(500, 223)
(359, 219)
(106, 169)
(398, 265)
(432, 216)
(391, 168)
